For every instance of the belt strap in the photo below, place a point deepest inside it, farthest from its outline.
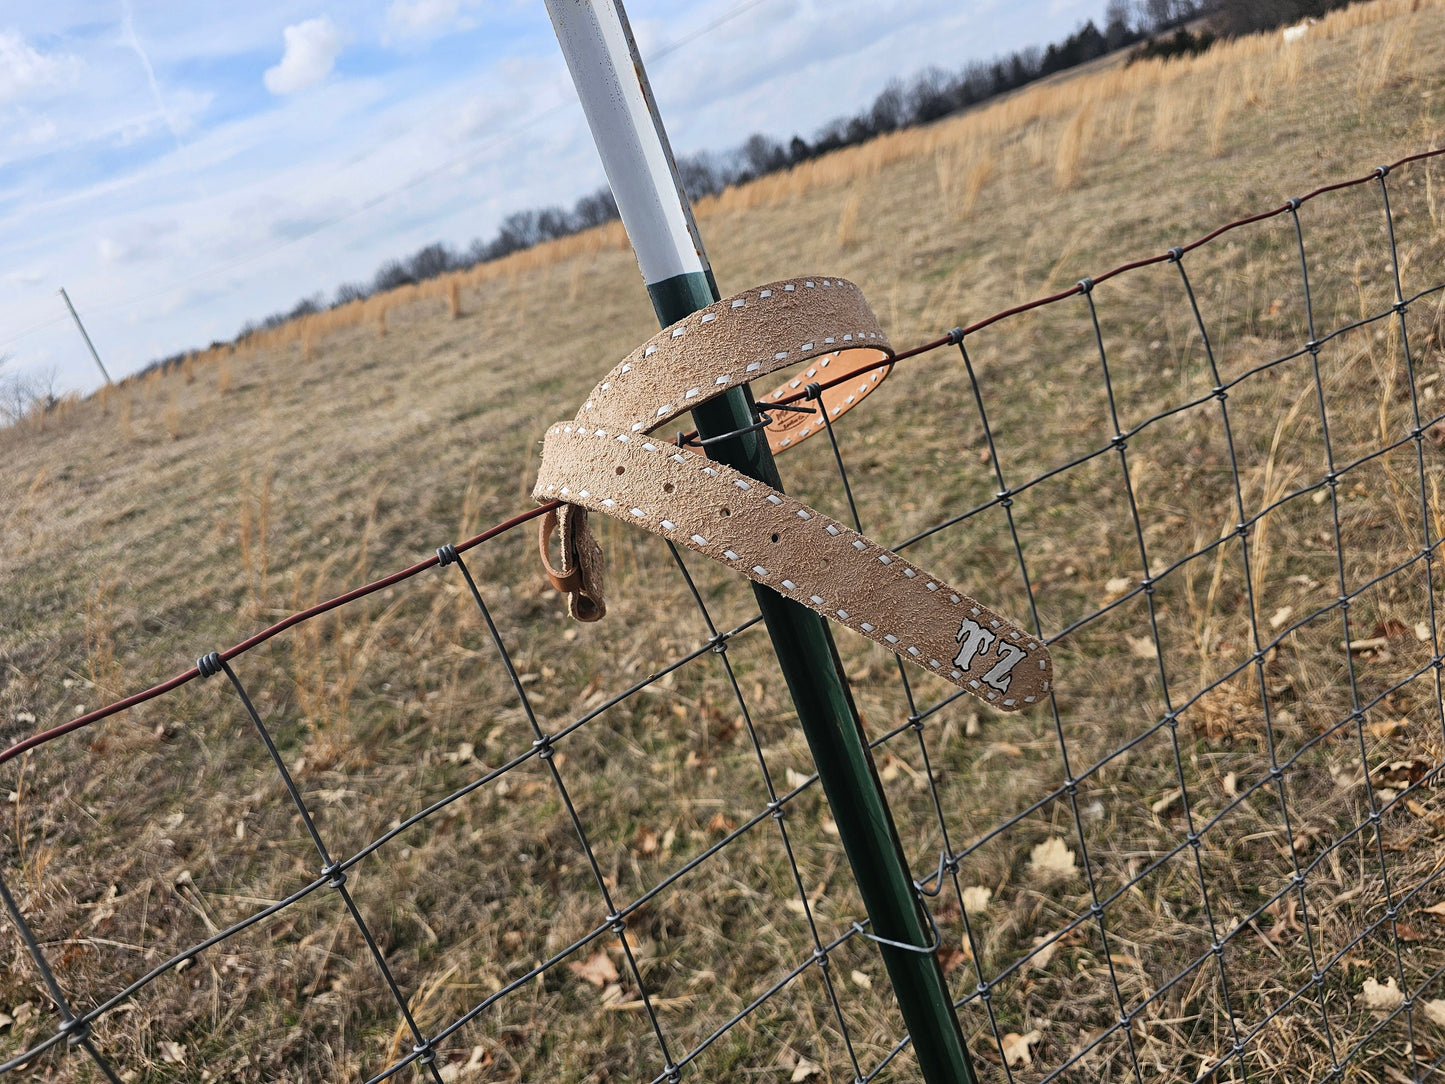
(604, 460)
(580, 577)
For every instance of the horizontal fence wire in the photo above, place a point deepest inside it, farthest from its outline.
(1006, 985)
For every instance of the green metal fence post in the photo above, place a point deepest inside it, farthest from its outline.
(607, 70)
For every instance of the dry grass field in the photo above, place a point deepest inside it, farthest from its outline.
(179, 513)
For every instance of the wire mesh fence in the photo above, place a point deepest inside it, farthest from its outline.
(1209, 480)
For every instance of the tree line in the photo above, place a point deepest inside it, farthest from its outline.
(1152, 28)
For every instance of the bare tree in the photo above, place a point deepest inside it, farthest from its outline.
(1116, 23)
(23, 394)
(1159, 15)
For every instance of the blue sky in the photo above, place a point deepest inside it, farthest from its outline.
(180, 168)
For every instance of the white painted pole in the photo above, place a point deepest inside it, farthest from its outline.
(602, 56)
(76, 317)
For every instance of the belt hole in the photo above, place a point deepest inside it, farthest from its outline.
(724, 512)
(621, 470)
(775, 538)
(668, 487)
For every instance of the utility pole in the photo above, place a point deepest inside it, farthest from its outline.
(76, 317)
(622, 115)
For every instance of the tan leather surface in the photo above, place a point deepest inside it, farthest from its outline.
(790, 428)
(568, 581)
(582, 573)
(605, 461)
(733, 342)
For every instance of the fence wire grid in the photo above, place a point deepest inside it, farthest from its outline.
(1215, 864)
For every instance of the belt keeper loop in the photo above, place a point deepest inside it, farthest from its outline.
(567, 583)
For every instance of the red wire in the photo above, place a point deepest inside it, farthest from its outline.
(264, 635)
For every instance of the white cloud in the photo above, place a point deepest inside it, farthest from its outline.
(134, 241)
(24, 278)
(163, 247)
(132, 40)
(40, 130)
(414, 17)
(311, 51)
(23, 68)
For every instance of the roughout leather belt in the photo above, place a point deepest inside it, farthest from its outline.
(605, 460)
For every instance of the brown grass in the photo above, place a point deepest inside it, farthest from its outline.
(959, 200)
(173, 417)
(128, 551)
(848, 235)
(1068, 159)
(253, 540)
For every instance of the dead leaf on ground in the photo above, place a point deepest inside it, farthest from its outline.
(1401, 774)
(805, 1070)
(1161, 806)
(861, 980)
(950, 958)
(1377, 998)
(1117, 588)
(479, 1060)
(1142, 647)
(975, 900)
(171, 1053)
(1437, 910)
(1435, 1012)
(1018, 1049)
(598, 969)
(1044, 953)
(465, 753)
(1423, 812)
(1386, 727)
(1370, 644)
(1052, 858)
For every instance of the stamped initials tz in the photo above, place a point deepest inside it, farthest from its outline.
(975, 641)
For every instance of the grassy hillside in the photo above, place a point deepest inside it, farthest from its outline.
(177, 514)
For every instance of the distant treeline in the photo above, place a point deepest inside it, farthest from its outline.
(1153, 28)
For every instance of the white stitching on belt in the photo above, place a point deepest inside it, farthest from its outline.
(718, 512)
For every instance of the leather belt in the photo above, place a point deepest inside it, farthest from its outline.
(606, 460)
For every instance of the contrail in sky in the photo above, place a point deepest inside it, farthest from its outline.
(129, 36)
